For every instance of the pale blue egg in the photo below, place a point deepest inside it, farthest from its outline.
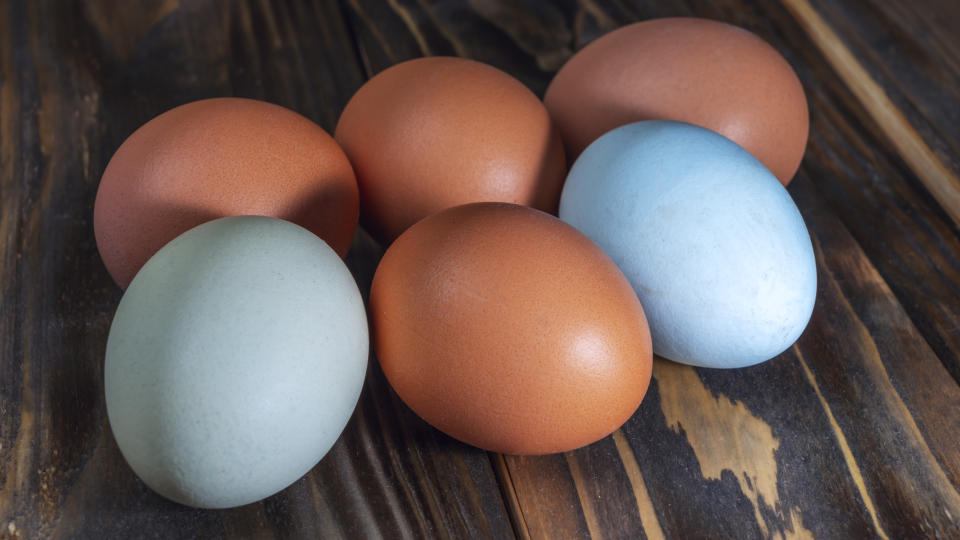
(234, 361)
(710, 240)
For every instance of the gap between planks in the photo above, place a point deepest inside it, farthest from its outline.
(648, 515)
(509, 493)
(942, 184)
(852, 465)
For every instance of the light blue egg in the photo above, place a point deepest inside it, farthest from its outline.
(710, 240)
(234, 361)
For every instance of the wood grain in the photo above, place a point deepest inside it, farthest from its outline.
(943, 185)
(852, 433)
(903, 231)
(913, 53)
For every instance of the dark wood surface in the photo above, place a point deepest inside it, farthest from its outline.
(852, 433)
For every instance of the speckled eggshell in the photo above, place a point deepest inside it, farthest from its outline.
(692, 70)
(714, 246)
(234, 361)
(215, 158)
(432, 133)
(507, 329)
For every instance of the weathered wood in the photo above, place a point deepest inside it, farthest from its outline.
(875, 190)
(851, 433)
(914, 56)
(935, 175)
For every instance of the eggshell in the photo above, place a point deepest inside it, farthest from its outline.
(432, 133)
(215, 158)
(234, 361)
(507, 329)
(692, 70)
(712, 243)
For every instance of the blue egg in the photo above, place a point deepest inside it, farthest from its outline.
(712, 243)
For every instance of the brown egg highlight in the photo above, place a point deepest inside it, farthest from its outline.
(699, 71)
(508, 329)
(215, 158)
(432, 133)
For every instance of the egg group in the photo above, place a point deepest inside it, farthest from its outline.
(239, 350)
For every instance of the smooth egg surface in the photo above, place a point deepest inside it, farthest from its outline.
(714, 246)
(431, 133)
(234, 361)
(509, 330)
(704, 72)
(216, 158)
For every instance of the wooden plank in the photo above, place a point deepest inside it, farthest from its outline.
(912, 52)
(397, 30)
(939, 180)
(75, 80)
(909, 437)
(907, 236)
(851, 433)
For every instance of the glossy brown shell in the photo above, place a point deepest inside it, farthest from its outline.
(216, 158)
(704, 72)
(432, 133)
(508, 329)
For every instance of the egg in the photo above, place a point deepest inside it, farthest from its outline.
(509, 330)
(712, 243)
(692, 70)
(432, 133)
(215, 158)
(234, 361)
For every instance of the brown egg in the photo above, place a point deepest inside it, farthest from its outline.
(432, 133)
(691, 70)
(508, 329)
(216, 158)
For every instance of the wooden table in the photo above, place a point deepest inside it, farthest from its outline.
(854, 432)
